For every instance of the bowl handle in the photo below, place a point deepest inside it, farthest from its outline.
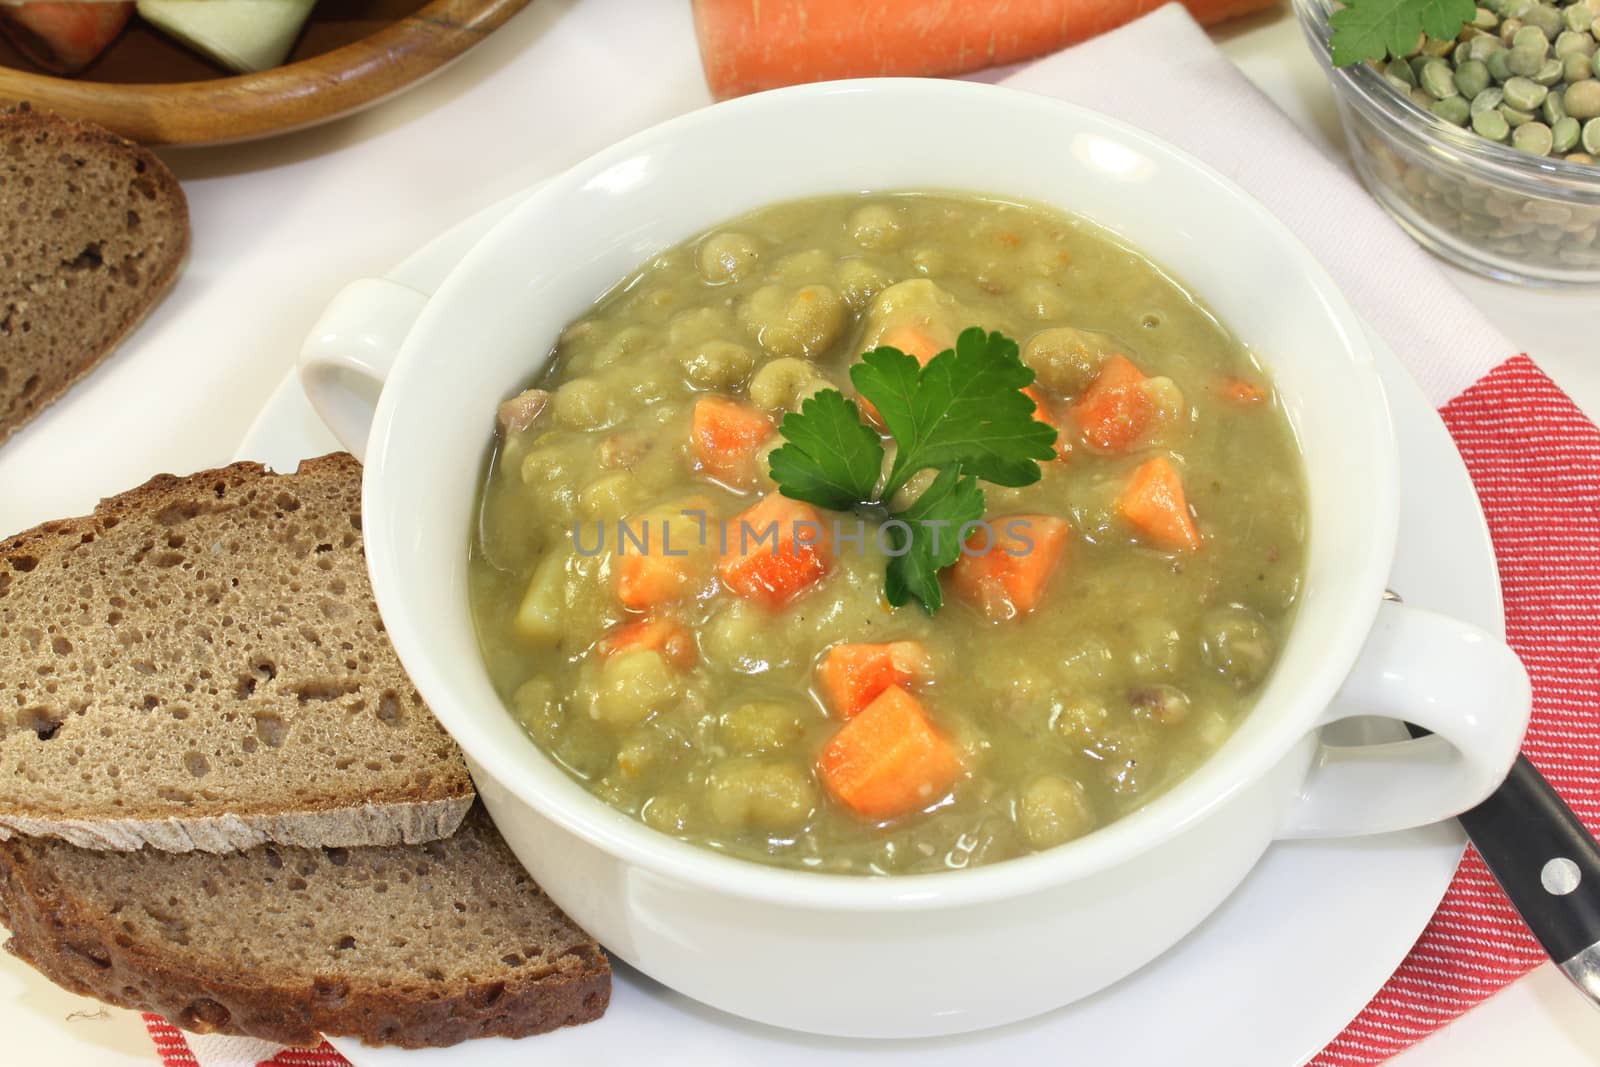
(1454, 679)
(348, 355)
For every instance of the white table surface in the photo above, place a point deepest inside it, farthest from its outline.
(281, 225)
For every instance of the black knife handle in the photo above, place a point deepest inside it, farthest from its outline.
(1544, 859)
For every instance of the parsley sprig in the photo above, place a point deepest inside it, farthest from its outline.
(829, 457)
(1373, 29)
(963, 414)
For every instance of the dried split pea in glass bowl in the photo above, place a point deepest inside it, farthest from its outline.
(1483, 204)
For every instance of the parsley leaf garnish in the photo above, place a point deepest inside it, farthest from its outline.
(930, 539)
(963, 414)
(1372, 29)
(829, 457)
(966, 406)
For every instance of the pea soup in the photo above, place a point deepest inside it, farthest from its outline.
(724, 662)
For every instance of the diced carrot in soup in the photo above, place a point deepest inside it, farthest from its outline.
(662, 554)
(672, 639)
(889, 759)
(645, 581)
(775, 551)
(1006, 577)
(1043, 412)
(1116, 411)
(726, 435)
(854, 675)
(1155, 504)
(1242, 392)
(918, 342)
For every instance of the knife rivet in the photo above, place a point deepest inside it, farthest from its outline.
(1560, 876)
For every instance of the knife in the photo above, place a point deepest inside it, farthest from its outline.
(1547, 863)
(1549, 866)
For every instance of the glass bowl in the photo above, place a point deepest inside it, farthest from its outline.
(1485, 206)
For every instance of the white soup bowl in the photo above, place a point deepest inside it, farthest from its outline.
(941, 953)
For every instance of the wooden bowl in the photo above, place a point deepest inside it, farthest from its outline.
(352, 53)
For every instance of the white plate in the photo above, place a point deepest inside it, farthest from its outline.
(1266, 981)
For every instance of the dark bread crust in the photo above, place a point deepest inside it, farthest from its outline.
(51, 133)
(59, 533)
(81, 947)
(161, 489)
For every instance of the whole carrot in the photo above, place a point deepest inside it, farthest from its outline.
(750, 45)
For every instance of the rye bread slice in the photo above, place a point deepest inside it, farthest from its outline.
(93, 229)
(413, 945)
(200, 665)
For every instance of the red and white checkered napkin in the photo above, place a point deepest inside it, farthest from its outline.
(1533, 455)
(178, 1049)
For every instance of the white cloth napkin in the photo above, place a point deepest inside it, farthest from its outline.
(1186, 92)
